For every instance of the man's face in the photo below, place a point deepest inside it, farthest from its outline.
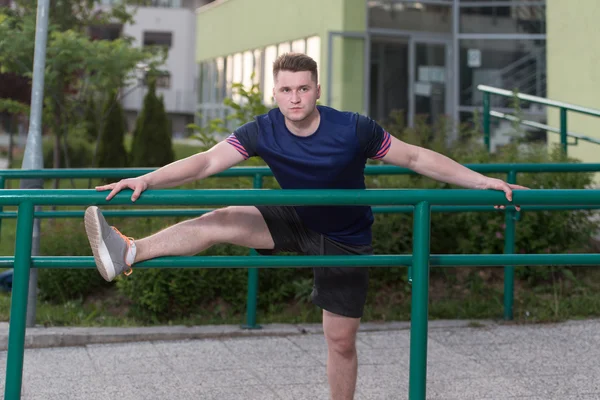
(296, 94)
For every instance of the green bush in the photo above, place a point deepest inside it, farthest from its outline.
(152, 145)
(79, 149)
(66, 237)
(111, 150)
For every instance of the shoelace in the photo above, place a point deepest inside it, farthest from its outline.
(128, 240)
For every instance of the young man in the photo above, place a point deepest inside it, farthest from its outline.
(307, 147)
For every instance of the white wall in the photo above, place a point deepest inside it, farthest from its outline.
(180, 98)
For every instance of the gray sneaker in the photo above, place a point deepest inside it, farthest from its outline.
(108, 245)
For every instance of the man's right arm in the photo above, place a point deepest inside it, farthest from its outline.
(199, 166)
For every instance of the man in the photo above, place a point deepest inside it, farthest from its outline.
(307, 147)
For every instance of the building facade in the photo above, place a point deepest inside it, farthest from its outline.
(169, 23)
(573, 73)
(423, 59)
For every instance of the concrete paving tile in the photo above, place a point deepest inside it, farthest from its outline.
(383, 356)
(380, 376)
(397, 391)
(136, 366)
(385, 340)
(275, 359)
(123, 351)
(302, 392)
(211, 361)
(57, 362)
(291, 375)
(484, 388)
(560, 385)
(259, 392)
(213, 379)
(467, 336)
(261, 345)
(191, 348)
(310, 342)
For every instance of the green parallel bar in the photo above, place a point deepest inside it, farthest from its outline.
(2, 185)
(510, 222)
(307, 197)
(252, 300)
(18, 303)
(436, 260)
(265, 171)
(189, 212)
(486, 121)
(419, 303)
(563, 129)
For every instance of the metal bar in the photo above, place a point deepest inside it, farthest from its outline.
(307, 197)
(188, 212)
(419, 303)
(2, 184)
(563, 129)
(252, 299)
(510, 222)
(540, 100)
(265, 171)
(436, 260)
(539, 125)
(486, 121)
(504, 3)
(501, 36)
(18, 304)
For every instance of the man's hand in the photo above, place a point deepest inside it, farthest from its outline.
(138, 185)
(507, 188)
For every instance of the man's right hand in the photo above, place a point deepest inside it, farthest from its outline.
(138, 185)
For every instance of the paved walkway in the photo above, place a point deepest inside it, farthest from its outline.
(535, 362)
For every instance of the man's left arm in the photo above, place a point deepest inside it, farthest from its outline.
(441, 168)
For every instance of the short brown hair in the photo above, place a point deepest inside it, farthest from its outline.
(295, 62)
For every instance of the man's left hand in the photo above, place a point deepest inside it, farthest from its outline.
(507, 188)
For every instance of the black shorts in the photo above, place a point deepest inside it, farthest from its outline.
(340, 290)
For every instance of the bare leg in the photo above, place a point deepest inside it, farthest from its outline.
(244, 226)
(342, 361)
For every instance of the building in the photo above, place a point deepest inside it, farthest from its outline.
(423, 58)
(169, 23)
(573, 73)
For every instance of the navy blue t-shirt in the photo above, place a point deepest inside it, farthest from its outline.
(333, 157)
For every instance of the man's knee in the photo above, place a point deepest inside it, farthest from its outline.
(340, 334)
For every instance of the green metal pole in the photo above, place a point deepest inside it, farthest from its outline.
(420, 300)
(252, 301)
(2, 184)
(563, 129)
(510, 222)
(486, 121)
(18, 303)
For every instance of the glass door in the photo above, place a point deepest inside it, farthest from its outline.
(430, 81)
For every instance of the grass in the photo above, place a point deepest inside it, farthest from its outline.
(547, 302)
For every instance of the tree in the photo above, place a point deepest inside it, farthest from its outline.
(76, 65)
(111, 152)
(152, 145)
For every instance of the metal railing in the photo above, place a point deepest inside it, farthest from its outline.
(258, 173)
(488, 91)
(420, 260)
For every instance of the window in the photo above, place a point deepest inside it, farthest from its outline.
(158, 38)
(163, 81)
(105, 32)
(270, 56)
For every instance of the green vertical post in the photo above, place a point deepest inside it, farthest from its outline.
(509, 248)
(18, 303)
(563, 129)
(251, 303)
(420, 302)
(486, 121)
(2, 184)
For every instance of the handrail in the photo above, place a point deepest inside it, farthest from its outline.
(306, 197)
(420, 259)
(545, 127)
(511, 169)
(563, 107)
(266, 171)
